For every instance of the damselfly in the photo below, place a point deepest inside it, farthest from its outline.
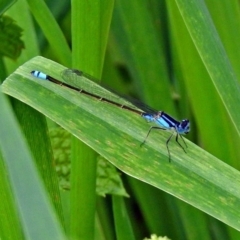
(162, 120)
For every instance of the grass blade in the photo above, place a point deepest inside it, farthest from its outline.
(197, 177)
(213, 55)
(27, 188)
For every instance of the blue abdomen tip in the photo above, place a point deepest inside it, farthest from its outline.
(39, 74)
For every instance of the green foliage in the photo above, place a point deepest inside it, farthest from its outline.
(11, 44)
(180, 57)
(5, 4)
(108, 179)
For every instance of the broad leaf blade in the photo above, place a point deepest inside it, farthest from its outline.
(197, 177)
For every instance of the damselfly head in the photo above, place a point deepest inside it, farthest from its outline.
(184, 126)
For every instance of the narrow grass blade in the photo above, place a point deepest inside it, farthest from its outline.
(213, 55)
(29, 194)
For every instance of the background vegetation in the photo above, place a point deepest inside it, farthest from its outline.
(177, 56)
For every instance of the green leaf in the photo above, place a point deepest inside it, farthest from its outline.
(197, 177)
(109, 180)
(121, 219)
(210, 48)
(9, 215)
(146, 62)
(90, 24)
(203, 96)
(5, 4)
(61, 144)
(10, 43)
(28, 191)
(51, 30)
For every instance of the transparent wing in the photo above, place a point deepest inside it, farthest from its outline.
(88, 83)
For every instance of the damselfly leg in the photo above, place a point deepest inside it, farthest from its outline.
(168, 140)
